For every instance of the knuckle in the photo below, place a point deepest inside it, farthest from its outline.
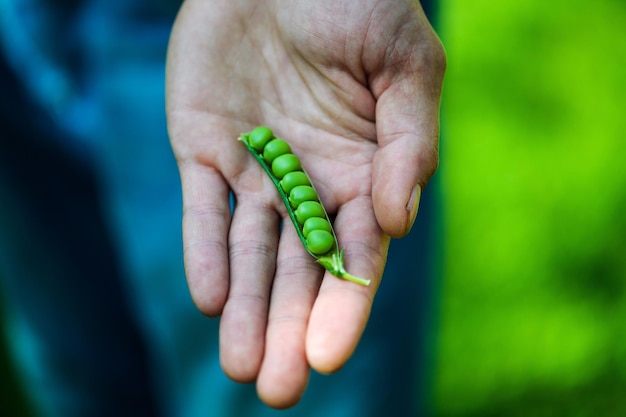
(251, 247)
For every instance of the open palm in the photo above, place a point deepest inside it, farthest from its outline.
(354, 87)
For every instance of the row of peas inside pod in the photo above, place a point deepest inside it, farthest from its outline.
(304, 202)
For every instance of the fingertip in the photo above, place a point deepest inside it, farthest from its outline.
(335, 327)
(273, 395)
(391, 197)
(210, 302)
(399, 176)
(319, 358)
(391, 213)
(242, 338)
(239, 363)
(239, 376)
(413, 206)
(284, 373)
(207, 275)
(277, 403)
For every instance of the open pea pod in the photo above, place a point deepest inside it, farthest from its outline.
(306, 211)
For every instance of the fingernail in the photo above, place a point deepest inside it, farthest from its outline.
(413, 206)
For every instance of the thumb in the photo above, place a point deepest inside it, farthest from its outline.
(407, 115)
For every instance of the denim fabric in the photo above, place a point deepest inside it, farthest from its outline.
(97, 308)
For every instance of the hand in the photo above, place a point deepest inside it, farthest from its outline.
(354, 87)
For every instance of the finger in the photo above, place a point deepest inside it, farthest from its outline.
(407, 118)
(252, 245)
(342, 308)
(206, 219)
(285, 370)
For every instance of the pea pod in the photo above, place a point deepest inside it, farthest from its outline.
(305, 209)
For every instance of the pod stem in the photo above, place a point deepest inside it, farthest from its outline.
(334, 264)
(333, 261)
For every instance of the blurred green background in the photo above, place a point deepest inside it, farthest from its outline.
(533, 305)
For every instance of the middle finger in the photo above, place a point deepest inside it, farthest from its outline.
(285, 370)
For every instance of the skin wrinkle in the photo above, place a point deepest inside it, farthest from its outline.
(338, 92)
(371, 37)
(376, 254)
(305, 262)
(429, 148)
(248, 298)
(196, 215)
(353, 255)
(323, 44)
(188, 155)
(338, 98)
(366, 41)
(398, 47)
(289, 318)
(251, 247)
(202, 245)
(353, 100)
(346, 189)
(286, 318)
(273, 82)
(399, 60)
(319, 101)
(367, 255)
(292, 60)
(280, 106)
(312, 91)
(349, 54)
(295, 313)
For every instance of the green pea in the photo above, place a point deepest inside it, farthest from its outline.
(320, 241)
(293, 179)
(302, 193)
(307, 210)
(259, 137)
(274, 149)
(284, 164)
(315, 223)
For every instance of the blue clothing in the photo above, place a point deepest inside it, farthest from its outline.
(97, 309)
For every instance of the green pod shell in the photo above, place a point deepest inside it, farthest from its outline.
(284, 164)
(293, 179)
(316, 223)
(274, 149)
(307, 210)
(259, 137)
(320, 242)
(308, 216)
(302, 193)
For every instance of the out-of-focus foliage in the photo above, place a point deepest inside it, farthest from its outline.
(13, 401)
(533, 173)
